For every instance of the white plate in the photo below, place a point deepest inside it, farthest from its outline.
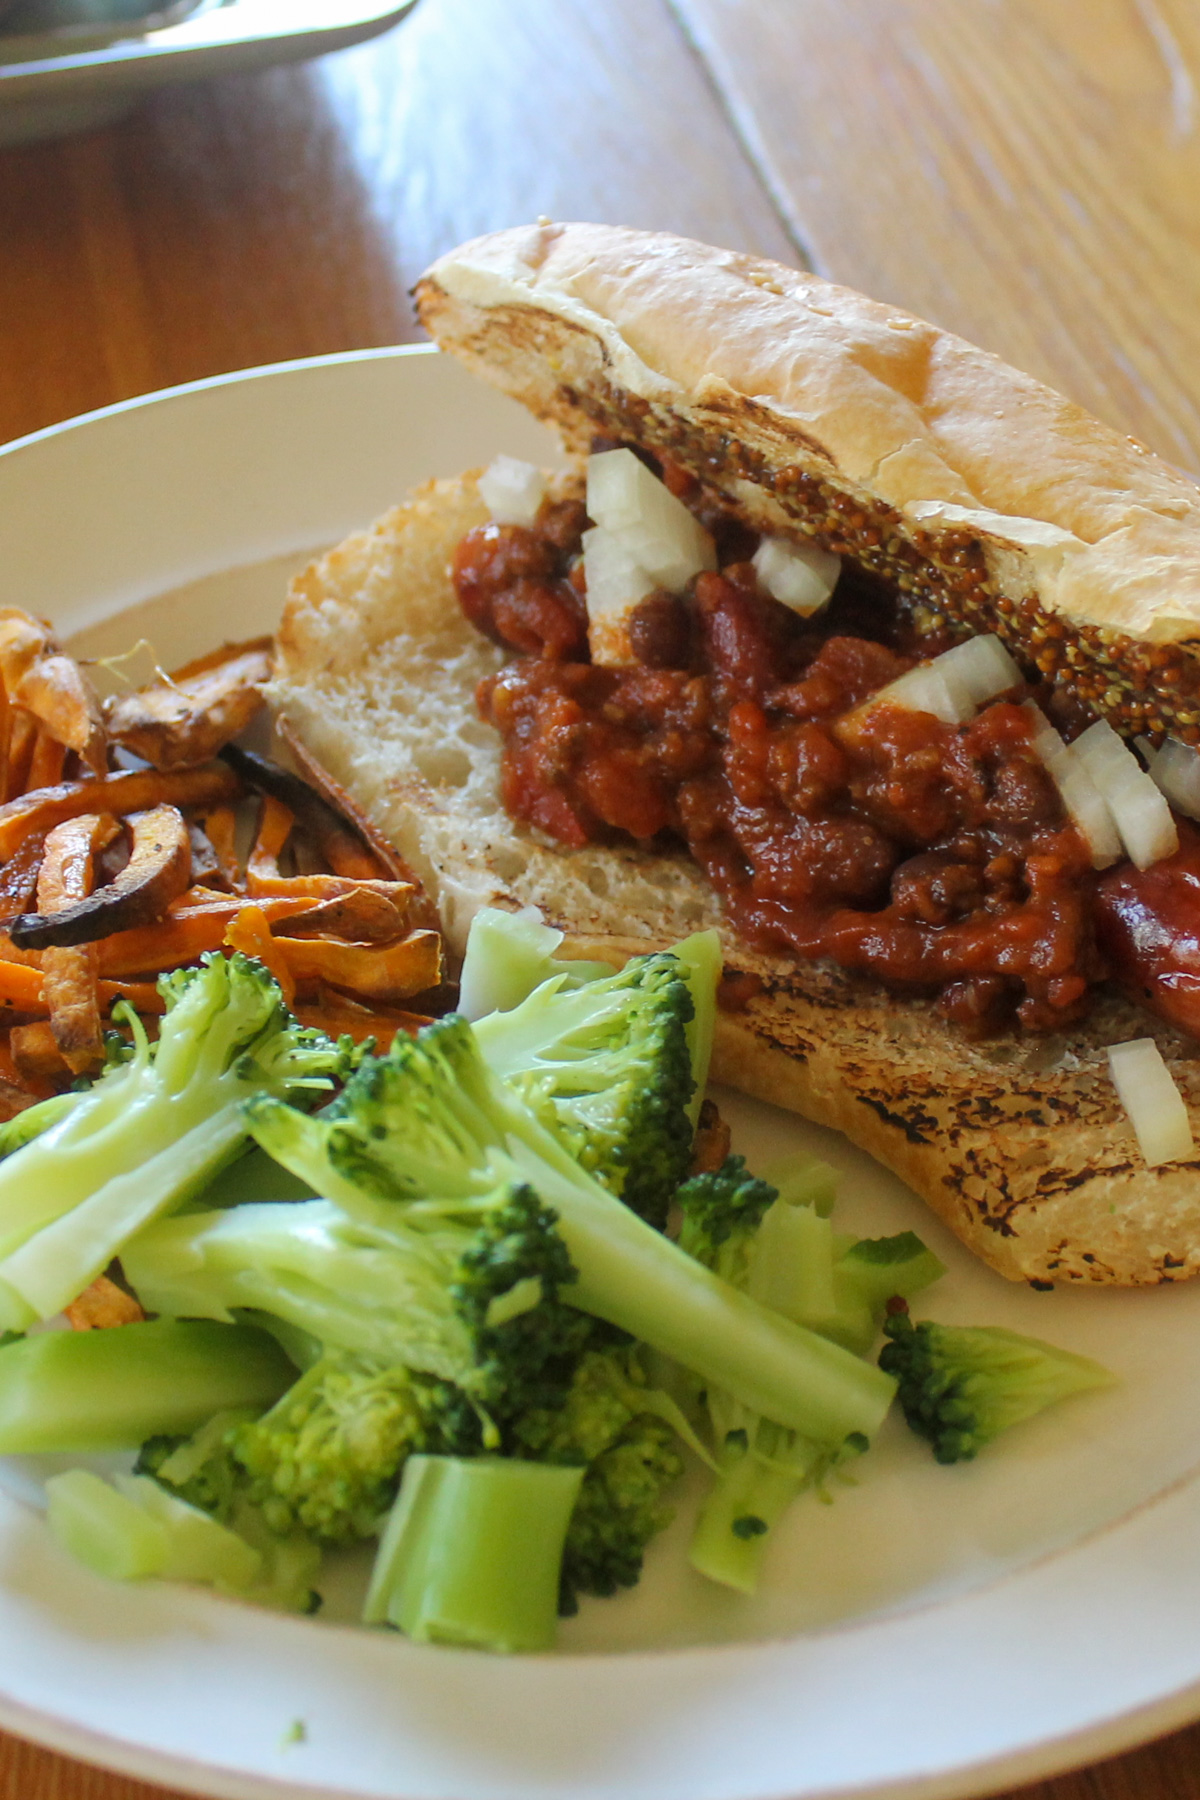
(933, 1633)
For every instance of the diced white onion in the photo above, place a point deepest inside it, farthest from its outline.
(1139, 810)
(1175, 771)
(955, 684)
(655, 530)
(1156, 1108)
(512, 490)
(1083, 800)
(802, 576)
(983, 666)
(616, 584)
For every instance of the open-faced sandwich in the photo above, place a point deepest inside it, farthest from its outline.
(842, 635)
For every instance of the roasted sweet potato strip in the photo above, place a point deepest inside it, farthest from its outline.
(22, 737)
(219, 825)
(102, 1306)
(159, 869)
(36, 1056)
(186, 933)
(48, 760)
(69, 972)
(187, 718)
(340, 845)
(22, 640)
(59, 694)
(130, 790)
(275, 825)
(363, 916)
(250, 932)
(18, 878)
(375, 971)
(317, 775)
(359, 1023)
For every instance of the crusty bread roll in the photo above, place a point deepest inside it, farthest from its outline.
(819, 412)
(1020, 1146)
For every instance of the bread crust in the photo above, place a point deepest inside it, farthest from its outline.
(1021, 1147)
(991, 499)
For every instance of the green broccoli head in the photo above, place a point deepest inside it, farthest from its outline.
(327, 1457)
(607, 1069)
(721, 1212)
(631, 1456)
(960, 1386)
(619, 1509)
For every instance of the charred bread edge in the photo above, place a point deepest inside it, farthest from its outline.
(989, 499)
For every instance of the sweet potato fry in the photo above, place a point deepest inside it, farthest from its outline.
(159, 868)
(219, 825)
(317, 776)
(340, 845)
(69, 972)
(186, 933)
(374, 971)
(275, 825)
(22, 640)
(359, 1023)
(47, 761)
(250, 932)
(18, 878)
(102, 1306)
(363, 916)
(55, 689)
(325, 887)
(127, 791)
(188, 717)
(22, 737)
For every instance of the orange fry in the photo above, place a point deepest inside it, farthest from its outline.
(250, 932)
(18, 878)
(46, 763)
(375, 971)
(59, 694)
(362, 916)
(359, 1023)
(22, 735)
(69, 971)
(275, 825)
(102, 1306)
(130, 790)
(219, 825)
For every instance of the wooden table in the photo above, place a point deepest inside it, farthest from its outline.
(1026, 172)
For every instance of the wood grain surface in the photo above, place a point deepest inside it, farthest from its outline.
(1024, 171)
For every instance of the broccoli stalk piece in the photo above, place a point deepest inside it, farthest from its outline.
(786, 1256)
(607, 1069)
(960, 1386)
(472, 1550)
(509, 954)
(465, 1291)
(82, 1391)
(430, 1119)
(150, 1133)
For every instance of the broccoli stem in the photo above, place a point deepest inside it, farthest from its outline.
(472, 1552)
(82, 1391)
(632, 1276)
(746, 1501)
(700, 956)
(135, 1528)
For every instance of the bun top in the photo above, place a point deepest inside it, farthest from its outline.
(987, 497)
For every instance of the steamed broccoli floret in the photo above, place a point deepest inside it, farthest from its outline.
(960, 1386)
(419, 1135)
(150, 1133)
(721, 1213)
(606, 1067)
(327, 1457)
(462, 1290)
(622, 1433)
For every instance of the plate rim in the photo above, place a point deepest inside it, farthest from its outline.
(1047, 1756)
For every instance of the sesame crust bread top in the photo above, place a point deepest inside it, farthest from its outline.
(987, 498)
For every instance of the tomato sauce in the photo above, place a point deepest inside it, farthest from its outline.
(935, 858)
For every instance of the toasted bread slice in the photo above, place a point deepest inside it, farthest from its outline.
(1020, 1146)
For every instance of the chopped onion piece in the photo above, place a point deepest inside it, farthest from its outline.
(512, 491)
(1087, 806)
(802, 576)
(927, 689)
(1175, 771)
(616, 584)
(655, 530)
(1156, 1108)
(983, 666)
(1139, 810)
